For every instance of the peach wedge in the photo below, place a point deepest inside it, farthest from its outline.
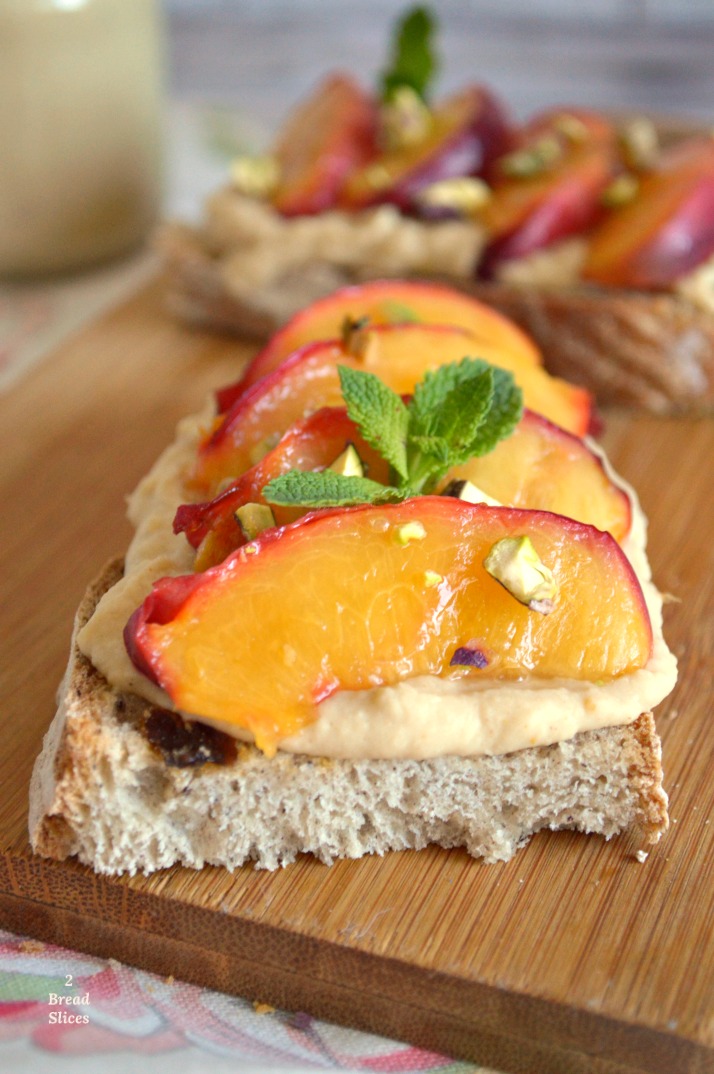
(399, 354)
(360, 597)
(388, 302)
(538, 466)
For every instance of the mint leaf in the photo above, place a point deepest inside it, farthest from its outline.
(452, 402)
(379, 412)
(412, 61)
(324, 488)
(504, 414)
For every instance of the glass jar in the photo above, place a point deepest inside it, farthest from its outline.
(80, 131)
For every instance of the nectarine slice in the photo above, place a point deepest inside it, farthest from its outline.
(399, 354)
(538, 466)
(368, 596)
(561, 197)
(466, 132)
(327, 137)
(387, 302)
(542, 466)
(666, 230)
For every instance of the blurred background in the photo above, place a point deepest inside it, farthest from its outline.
(116, 112)
(242, 63)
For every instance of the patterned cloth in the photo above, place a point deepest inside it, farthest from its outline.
(167, 1026)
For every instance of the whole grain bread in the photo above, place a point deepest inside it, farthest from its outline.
(104, 791)
(646, 350)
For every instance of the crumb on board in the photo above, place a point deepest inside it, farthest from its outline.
(641, 856)
(31, 947)
(263, 1008)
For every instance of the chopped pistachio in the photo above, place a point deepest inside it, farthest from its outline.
(411, 531)
(620, 191)
(571, 127)
(377, 176)
(432, 578)
(524, 163)
(355, 335)
(514, 562)
(253, 518)
(256, 176)
(465, 195)
(639, 142)
(469, 493)
(348, 463)
(404, 119)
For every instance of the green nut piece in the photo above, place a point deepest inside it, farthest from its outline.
(257, 177)
(465, 195)
(464, 490)
(253, 518)
(348, 463)
(404, 119)
(514, 562)
(411, 531)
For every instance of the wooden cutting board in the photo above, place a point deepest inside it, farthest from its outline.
(573, 957)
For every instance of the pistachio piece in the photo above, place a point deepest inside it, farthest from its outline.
(355, 337)
(465, 195)
(620, 191)
(464, 490)
(256, 176)
(524, 163)
(432, 578)
(253, 518)
(404, 119)
(348, 463)
(514, 562)
(571, 127)
(639, 142)
(411, 531)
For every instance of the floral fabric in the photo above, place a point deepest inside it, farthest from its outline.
(57, 1005)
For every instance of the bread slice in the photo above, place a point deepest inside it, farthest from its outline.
(122, 797)
(646, 350)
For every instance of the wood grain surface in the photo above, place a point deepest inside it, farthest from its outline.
(573, 957)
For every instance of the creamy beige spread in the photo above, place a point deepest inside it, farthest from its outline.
(257, 247)
(421, 717)
(286, 261)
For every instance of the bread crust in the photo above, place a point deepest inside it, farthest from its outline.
(629, 348)
(100, 791)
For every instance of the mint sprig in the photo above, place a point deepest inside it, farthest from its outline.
(457, 412)
(412, 61)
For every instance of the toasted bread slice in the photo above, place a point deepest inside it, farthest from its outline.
(122, 798)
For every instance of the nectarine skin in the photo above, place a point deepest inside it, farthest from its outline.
(469, 130)
(528, 213)
(324, 140)
(360, 597)
(666, 231)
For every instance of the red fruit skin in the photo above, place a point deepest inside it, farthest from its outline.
(313, 442)
(326, 138)
(481, 133)
(163, 604)
(530, 214)
(666, 231)
(572, 208)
